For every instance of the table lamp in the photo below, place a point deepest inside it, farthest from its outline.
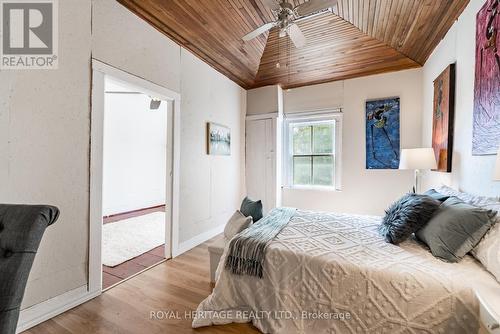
(417, 159)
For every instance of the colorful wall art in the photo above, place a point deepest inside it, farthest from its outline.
(486, 127)
(219, 139)
(443, 118)
(382, 133)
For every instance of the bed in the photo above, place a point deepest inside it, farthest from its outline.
(333, 273)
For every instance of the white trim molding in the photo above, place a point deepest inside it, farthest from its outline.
(318, 113)
(101, 71)
(48, 309)
(257, 117)
(96, 181)
(198, 240)
(313, 116)
(141, 84)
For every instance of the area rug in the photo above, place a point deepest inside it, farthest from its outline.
(125, 239)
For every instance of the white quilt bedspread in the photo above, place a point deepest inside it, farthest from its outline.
(332, 273)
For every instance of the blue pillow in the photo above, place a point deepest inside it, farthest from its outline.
(406, 216)
(251, 208)
(456, 229)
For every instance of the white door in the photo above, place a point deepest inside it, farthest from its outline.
(261, 161)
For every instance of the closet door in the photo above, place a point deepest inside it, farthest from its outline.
(261, 161)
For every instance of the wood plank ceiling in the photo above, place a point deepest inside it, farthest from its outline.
(359, 37)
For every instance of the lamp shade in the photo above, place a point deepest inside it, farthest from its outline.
(496, 176)
(417, 158)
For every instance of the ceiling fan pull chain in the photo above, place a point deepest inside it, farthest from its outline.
(278, 63)
(288, 63)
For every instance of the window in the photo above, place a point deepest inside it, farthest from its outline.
(312, 155)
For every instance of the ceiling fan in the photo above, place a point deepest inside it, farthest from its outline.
(287, 15)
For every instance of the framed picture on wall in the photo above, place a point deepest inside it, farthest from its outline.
(218, 139)
(382, 133)
(443, 118)
(486, 119)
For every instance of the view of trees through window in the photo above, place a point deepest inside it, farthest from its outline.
(313, 153)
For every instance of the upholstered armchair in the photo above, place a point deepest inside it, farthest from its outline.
(21, 230)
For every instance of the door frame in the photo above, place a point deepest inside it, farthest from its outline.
(100, 71)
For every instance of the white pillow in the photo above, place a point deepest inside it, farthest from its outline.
(237, 223)
(480, 201)
(488, 249)
(445, 190)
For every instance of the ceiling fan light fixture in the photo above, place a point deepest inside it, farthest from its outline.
(286, 16)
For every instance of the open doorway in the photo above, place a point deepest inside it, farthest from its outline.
(134, 176)
(134, 182)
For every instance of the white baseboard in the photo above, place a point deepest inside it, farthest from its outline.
(48, 309)
(197, 240)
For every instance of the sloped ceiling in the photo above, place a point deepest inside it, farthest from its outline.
(359, 37)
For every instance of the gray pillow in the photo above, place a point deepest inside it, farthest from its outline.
(455, 229)
(406, 216)
(251, 208)
(436, 195)
(237, 223)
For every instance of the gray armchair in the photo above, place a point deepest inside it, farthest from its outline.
(21, 230)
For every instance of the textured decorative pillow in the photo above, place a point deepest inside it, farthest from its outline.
(436, 195)
(455, 229)
(406, 216)
(488, 249)
(480, 201)
(445, 190)
(251, 208)
(237, 223)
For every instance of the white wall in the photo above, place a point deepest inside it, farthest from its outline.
(135, 152)
(263, 100)
(211, 186)
(315, 97)
(363, 191)
(123, 40)
(470, 173)
(45, 133)
(44, 152)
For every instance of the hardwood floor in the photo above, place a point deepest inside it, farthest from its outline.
(175, 285)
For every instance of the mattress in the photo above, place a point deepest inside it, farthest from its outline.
(333, 273)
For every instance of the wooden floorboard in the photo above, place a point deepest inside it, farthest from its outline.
(179, 285)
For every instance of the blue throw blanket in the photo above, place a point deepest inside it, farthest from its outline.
(247, 249)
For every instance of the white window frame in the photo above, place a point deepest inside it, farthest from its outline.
(313, 117)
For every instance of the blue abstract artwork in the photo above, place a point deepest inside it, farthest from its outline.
(382, 134)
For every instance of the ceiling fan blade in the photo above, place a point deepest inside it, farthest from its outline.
(272, 4)
(258, 31)
(314, 6)
(297, 36)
